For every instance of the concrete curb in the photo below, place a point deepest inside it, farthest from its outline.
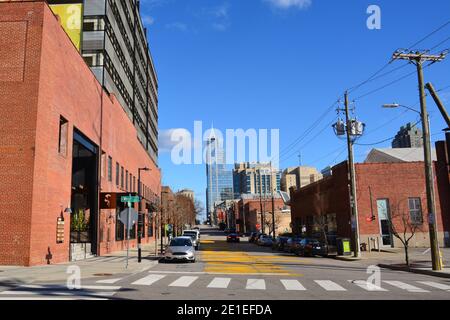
(413, 270)
(345, 258)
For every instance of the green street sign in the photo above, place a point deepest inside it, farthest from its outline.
(132, 199)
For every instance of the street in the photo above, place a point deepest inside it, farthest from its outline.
(243, 271)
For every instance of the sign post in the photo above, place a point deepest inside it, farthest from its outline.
(127, 216)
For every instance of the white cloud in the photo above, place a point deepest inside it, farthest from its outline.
(286, 4)
(177, 26)
(148, 20)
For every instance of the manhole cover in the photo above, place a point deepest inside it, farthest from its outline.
(102, 274)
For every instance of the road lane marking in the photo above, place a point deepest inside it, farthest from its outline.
(367, 285)
(108, 281)
(256, 284)
(184, 281)
(436, 285)
(292, 285)
(148, 280)
(228, 273)
(405, 286)
(219, 283)
(329, 285)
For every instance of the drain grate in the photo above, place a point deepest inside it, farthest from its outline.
(102, 274)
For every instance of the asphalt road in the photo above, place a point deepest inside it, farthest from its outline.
(244, 271)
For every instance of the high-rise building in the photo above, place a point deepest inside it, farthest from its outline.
(219, 179)
(299, 177)
(114, 44)
(409, 136)
(255, 178)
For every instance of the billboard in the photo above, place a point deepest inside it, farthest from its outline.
(71, 16)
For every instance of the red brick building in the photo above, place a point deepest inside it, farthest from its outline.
(383, 190)
(248, 211)
(55, 120)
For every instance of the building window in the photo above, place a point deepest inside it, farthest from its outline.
(120, 228)
(121, 177)
(93, 24)
(150, 225)
(131, 183)
(110, 169)
(126, 180)
(103, 168)
(134, 184)
(117, 173)
(415, 210)
(93, 59)
(63, 136)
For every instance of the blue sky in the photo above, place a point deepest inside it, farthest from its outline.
(281, 64)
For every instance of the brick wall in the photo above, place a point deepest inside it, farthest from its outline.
(393, 181)
(35, 179)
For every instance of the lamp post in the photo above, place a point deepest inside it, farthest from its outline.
(429, 181)
(140, 222)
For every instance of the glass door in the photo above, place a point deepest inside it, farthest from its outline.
(383, 217)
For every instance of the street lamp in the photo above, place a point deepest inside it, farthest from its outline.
(140, 217)
(396, 105)
(432, 223)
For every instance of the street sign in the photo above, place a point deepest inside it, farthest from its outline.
(132, 199)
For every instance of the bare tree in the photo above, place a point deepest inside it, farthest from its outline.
(404, 226)
(198, 208)
(268, 222)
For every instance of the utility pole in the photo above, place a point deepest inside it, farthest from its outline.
(351, 167)
(439, 103)
(273, 201)
(418, 58)
(351, 129)
(260, 200)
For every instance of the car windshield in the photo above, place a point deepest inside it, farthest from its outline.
(180, 242)
(190, 234)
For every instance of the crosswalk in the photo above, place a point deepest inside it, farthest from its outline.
(107, 288)
(174, 280)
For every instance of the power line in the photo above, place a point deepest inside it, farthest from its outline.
(308, 131)
(430, 34)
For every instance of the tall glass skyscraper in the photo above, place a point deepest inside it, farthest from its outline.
(219, 179)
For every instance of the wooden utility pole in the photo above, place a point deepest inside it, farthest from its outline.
(418, 58)
(273, 201)
(352, 180)
(260, 200)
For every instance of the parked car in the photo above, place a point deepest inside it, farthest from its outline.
(195, 236)
(252, 237)
(230, 230)
(291, 244)
(308, 247)
(279, 243)
(265, 240)
(233, 237)
(180, 249)
(258, 236)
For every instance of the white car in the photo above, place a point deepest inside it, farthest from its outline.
(195, 236)
(180, 248)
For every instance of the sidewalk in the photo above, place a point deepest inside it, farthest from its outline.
(394, 259)
(111, 264)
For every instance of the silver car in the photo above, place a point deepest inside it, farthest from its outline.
(195, 236)
(180, 249)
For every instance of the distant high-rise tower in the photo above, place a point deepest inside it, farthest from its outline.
(409, 136)
(219, 179)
